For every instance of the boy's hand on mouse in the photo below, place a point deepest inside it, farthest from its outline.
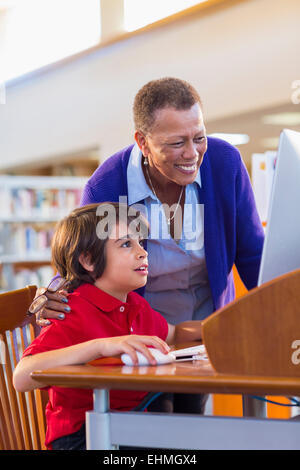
(130, 344)
(56, 306)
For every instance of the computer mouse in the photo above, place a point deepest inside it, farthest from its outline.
(160, 358)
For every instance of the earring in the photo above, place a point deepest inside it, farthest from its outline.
(146, 163)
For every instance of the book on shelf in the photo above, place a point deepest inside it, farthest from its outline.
(38, 203)
(21, 239)
(30, 206)
(39, 277)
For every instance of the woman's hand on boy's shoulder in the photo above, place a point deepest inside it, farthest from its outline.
(56, 306)
(131, 344)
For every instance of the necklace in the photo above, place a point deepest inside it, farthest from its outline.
(178, 202)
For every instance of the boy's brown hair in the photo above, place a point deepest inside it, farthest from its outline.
(80, 233)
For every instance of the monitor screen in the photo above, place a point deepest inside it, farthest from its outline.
(281, 250)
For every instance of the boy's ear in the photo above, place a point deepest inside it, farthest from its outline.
(85, 261)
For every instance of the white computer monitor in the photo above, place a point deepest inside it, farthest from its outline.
(281, 250)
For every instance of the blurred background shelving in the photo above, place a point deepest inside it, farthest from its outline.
(30, 208)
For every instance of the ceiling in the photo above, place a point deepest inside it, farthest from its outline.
(262, 136)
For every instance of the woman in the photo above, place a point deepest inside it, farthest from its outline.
(209, 221)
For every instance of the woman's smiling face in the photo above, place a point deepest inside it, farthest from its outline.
(176, 145)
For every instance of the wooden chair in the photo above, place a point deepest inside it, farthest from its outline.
(22, 419)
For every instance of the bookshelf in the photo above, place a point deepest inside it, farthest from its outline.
(30, 208)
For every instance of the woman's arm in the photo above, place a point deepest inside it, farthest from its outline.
(185, 331)
(82, 353)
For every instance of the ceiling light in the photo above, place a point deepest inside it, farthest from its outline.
(282, 119)
(234, 139)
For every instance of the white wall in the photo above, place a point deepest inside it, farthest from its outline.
(240, 58)
(3, 23)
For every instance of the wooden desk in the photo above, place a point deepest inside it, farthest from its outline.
(106, 429)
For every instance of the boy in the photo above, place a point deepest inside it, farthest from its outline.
(102, 268)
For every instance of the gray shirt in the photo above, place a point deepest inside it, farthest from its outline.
(177, 284)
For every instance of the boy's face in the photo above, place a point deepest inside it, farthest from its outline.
(126, 263)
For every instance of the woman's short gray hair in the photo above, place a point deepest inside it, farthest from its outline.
(159, 94)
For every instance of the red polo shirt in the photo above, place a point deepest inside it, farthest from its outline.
(94, 314)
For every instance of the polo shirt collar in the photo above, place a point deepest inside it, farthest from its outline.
(138, 189)
(105, 302)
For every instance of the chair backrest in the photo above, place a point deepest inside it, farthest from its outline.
(22, 419)
(258, 333)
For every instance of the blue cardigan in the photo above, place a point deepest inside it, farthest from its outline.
(233, 232)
